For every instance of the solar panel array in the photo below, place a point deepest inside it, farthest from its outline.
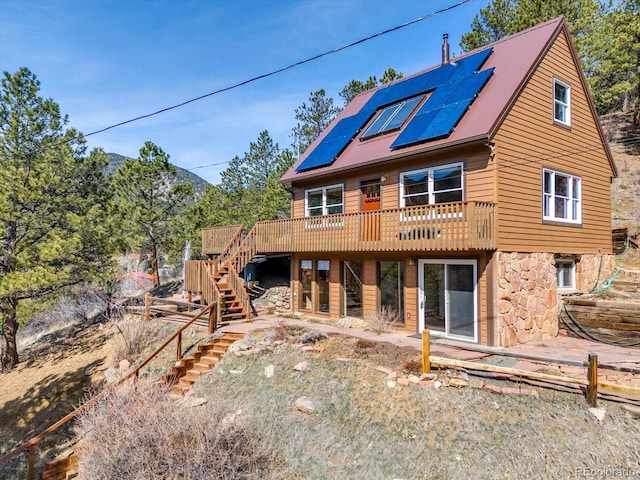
(453, 88)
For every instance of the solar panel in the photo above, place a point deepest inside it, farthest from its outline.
(468, 65)
(333, 143)
(470, 86)
(445, 121)
(453, 87)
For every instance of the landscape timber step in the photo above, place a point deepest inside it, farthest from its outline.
(186, 372)
(62, 468)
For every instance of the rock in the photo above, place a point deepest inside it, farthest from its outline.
(437, 384)
(235, 372)
(305, 405)
(414, 379)
(269, 371)
(599, 413)
(111, 375)
(193, 401)
(124, 365)
(390, 383)
(458, 382)
(382, 369)
(403, 382)
(301, 367)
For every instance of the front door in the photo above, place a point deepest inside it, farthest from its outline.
(448, 298)
(370, 205)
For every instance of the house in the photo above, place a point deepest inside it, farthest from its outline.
(467, 198)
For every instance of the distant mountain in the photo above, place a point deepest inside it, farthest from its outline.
(199, 184)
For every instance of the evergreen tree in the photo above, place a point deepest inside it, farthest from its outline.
(312, 119)
(250, 191)
(607, 40)
(148, 198)
(356, 87)
(615, 74)
(54, 226)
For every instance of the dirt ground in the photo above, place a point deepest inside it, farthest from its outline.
(54, 375)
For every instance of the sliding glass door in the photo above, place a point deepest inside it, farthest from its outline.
(448, 298)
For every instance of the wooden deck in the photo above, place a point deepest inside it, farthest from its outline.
(458, 226)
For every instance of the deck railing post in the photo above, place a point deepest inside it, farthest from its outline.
(147, 306)
(179, 347)
(426, 352)
(32, 461)
(592, 374)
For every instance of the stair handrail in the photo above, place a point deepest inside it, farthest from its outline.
(237, 283)
(352, 278)
(33, 442)
(232, 245)
(245, 251)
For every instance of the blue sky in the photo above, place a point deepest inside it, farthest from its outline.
(105, 62)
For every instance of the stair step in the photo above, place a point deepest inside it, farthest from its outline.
(210, 359)
(194, 375)
(186, 382)
(202, 367)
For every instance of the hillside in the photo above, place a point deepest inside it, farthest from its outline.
(199, 184)
(624, 141)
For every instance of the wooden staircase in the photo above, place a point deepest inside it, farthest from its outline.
(62, 468)
(192, 368)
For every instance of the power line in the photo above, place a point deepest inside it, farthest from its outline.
(282, 69)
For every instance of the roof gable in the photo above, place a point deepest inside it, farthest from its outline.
(462, 107)
(453, 88)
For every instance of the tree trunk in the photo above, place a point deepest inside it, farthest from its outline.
(154, 262)
(8, 314)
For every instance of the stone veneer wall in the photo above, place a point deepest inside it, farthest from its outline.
(528, 304)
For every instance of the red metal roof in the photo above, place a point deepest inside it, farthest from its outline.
(514, 58)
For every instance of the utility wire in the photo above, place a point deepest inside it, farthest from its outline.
(283, 69)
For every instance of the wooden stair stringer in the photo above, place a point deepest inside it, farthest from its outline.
(187, 371)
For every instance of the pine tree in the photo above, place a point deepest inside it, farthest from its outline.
(148, 198)
(312, 119)
(54, 225)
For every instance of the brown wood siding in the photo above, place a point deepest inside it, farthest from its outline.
(479, 179)
(528, 141)
(369, 288)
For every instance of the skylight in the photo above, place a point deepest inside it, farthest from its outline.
(392, 117)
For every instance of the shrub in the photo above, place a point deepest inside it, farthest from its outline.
(383, 320)
(146, 433)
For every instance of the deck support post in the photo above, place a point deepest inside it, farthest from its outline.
(147, 306)
(426, 352)
(592, 374)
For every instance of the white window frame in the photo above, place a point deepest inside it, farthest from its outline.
(325, 207)
(563, 104)
(560, 268)
(572, 200)
(318, 221)
(431, 192)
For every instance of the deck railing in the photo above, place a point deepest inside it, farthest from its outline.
(444, 226)
(216, 239)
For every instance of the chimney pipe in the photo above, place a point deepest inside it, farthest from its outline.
(445, 49)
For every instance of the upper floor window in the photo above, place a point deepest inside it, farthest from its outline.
(561, 197)
(324, 201)
(392, 117)
(432, 185)
(561, 102)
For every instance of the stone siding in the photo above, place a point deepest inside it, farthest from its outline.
(528, 303)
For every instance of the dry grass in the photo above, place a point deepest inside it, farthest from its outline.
(145, 433)
(382, 320)
(364, 429)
